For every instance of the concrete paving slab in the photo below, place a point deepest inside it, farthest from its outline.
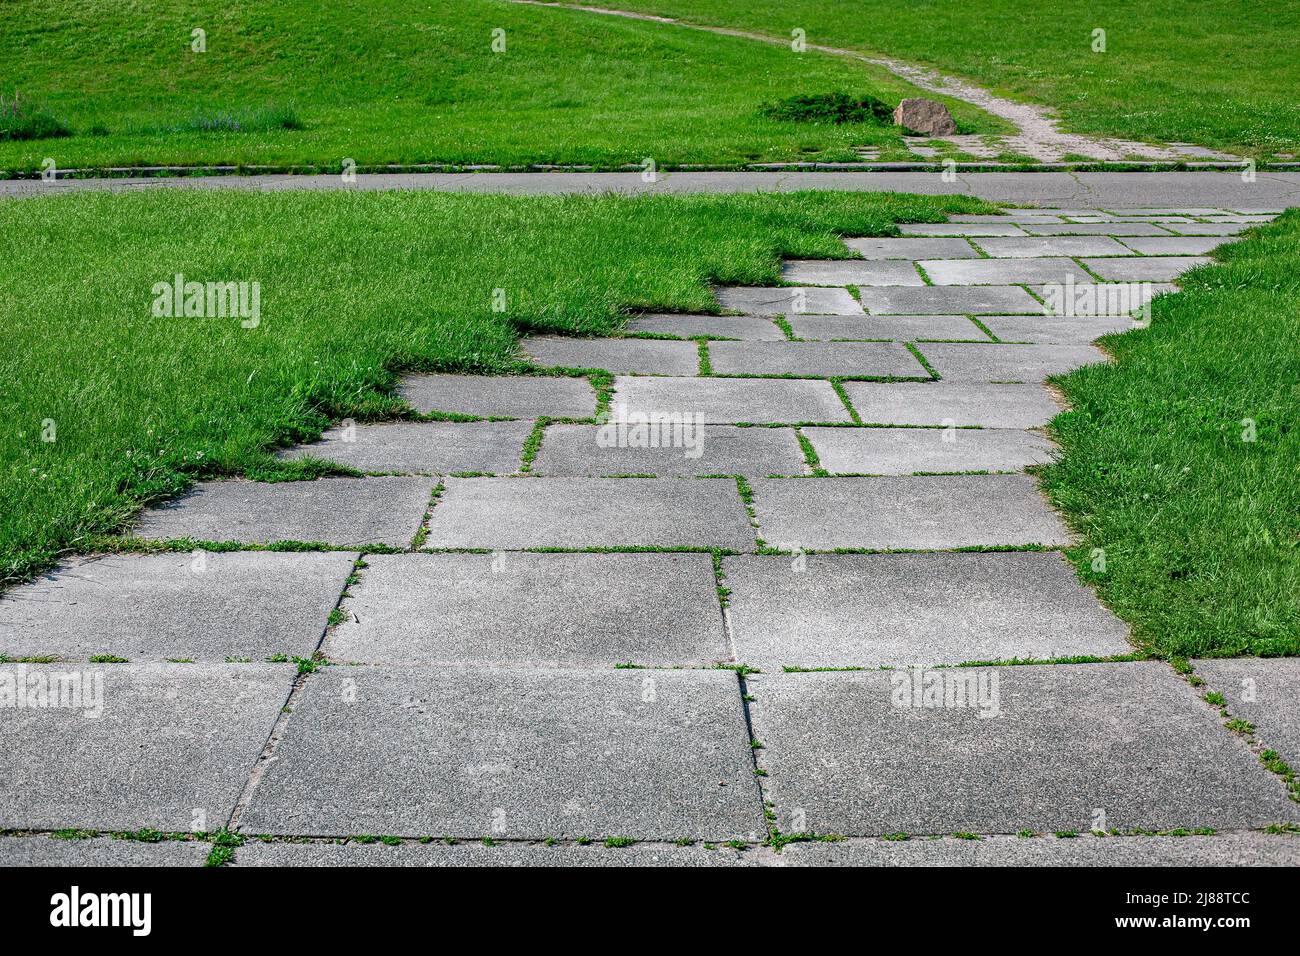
(547, 609)
(1179, 211)
(899, 328)
(1006, 363)
(1055, 748)
(754, 300)
(952, 403)
(1001, 271)
(170, 749)
(881, 359)
(1053, 246)
(1099, 298)
(1010, 218)
(1099, 229)
(507, 396)
(1056, 330)
(912, 248)
(44, 850)
(1175, 245)
(503, 853)
(960, 229)
(834, 272)
(907, 451)
(1208, 229)
(429, 447)
(619, 448)
(516, 754)
(1223, 849)
(1265, 692)
(1144, 268)
(337, 511)
(518, 513)
(159, 607)
(949, 300)
(895, 610)
(749, 327)
(921, 513)
(730, 400)
(643, 356)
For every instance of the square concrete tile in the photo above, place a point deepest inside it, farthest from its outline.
(1053, 246)
(730, 400)
(1006, 363)
(899, 328)
(914, 513)
(952, 403)
(643, 356)
(501, 854)
(507, 396)
(749, 327)
(1175, 245)
(1011, 218)
(960, 229)
(338, 511)
(46, 850)
(1123, 746)
(1098, 229)
(551, 609)
(912, 248)
(514, 754)
(1099, 298)
(1208, 229)
(851, 272)
(518, 513)
(873, 610)
(1001, 271)
(1189, 211)
(158, 607)
(754, 300)
(430, 447)
(907, 451)
(950, 300)
(170, 749)
(1264, 691)
(881, 359)
(669, 450)
(1144, 268)
(1057, 330)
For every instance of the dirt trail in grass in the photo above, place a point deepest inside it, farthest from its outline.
(1039, 131)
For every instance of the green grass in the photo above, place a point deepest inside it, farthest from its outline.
(1203, 71)
(107, 407)
(295, 82)
(1200, 526)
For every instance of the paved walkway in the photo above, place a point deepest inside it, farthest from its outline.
(696, 586)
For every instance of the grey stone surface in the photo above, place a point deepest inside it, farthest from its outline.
(170, 741)
(1098, 229)
(645, 356)
(1264, 691)
(1011, 216)
(1208, 229)
(1178, 211)
(1001, 271)
(1223, 849)
(857, 757)
(1053, 246)
(435, 447)
(46, 850)
(690, 449)
(1056, 330)
(949, 300)
(899, 328)
(851, 272)
(925, 116)
(906, 451)
(1006, 363)
(724, 400)
(553, 609)
(1144, 268)
(755, 300)
(339, 511)
(952, 403)
(853, 610)
(158, 607)
(504, 853)
(1099, 298)
(507, 396)
(960, 229)
(917, 247)
(710, 326)
(883, 359)
(517, 754)
(1175, 245)
(517, 513)
(932, 512)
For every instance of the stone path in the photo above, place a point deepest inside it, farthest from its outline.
(699, 584)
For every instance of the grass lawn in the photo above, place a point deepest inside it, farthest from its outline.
(416, 83)
(354, 286)
(1203, 71)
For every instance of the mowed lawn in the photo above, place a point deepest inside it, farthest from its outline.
(1203, 71)
(323, 81)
